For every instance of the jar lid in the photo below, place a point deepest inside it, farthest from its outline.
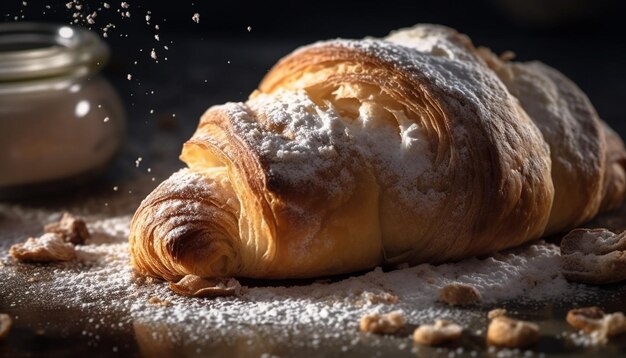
(37, 50)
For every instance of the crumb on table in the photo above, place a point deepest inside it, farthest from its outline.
(380, 297)
(497, 312)
(391, 322)
(158, 301)
(195, 286)
(442, 331)
(49, 247)
(594, 256)
(511, 333)
(70, 228)
(458, 294)
(594, 321)
(5, 325)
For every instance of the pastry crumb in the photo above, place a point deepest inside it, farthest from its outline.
(157, 301)
(5, 325)
(391, 322)
(196, 286)
(141, 279)
(594, 256)
(70, 228)
(587, 319)
(599, 325)
(380, 297)
(496, 313)
(433, 335)
(458, 294)
(49, 247)
(511, 333)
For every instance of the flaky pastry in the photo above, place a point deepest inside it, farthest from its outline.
(357, 153)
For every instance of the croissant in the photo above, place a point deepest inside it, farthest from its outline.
(351, 154)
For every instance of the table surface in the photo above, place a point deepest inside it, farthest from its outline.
(185, 89)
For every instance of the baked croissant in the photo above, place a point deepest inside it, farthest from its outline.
(414, 148)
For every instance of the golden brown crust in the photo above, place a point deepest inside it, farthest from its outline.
(480, 161)
(588, 158)
(614, 186)
(354, 154)
(171, 235)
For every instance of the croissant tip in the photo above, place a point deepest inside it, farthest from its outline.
(206, 256)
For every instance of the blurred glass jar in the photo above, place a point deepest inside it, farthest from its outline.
(60, 121)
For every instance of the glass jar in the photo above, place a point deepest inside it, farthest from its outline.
(60, 121)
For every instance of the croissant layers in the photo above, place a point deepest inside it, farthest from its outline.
(351, 154)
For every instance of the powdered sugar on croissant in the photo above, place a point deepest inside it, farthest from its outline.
(353, 154)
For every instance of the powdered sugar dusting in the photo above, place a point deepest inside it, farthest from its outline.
(465, 78)
(101, 279)
(307, 147)
(309, 135)
(435, 40)
(470, 95)
(102, 295)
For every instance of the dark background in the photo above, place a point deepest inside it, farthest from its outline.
(582, 38)
(219, 60)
